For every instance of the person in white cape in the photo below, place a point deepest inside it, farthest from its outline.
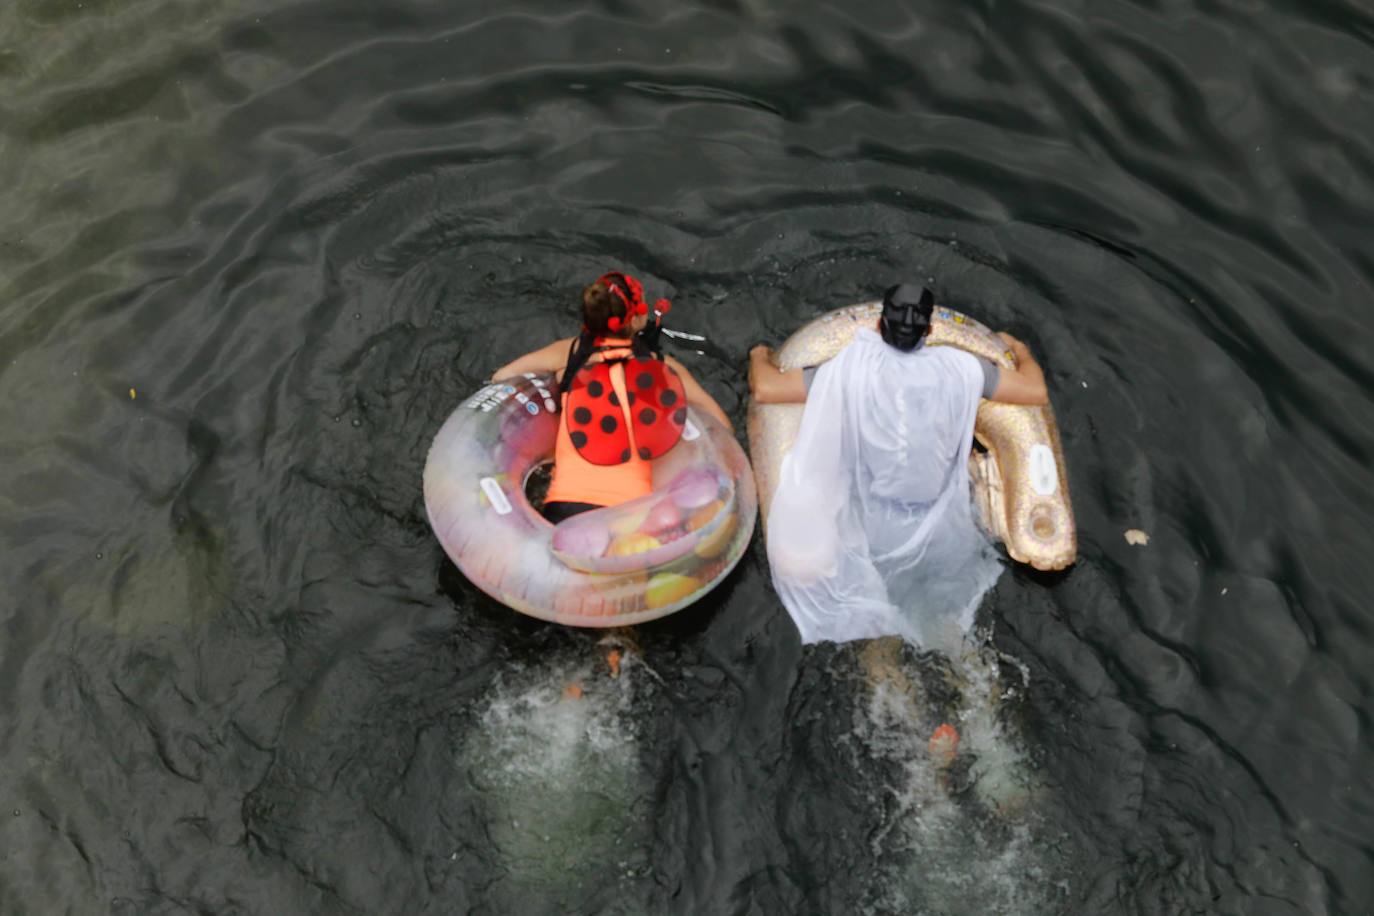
(871, 531)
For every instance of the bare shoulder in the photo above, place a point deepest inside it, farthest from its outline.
(676, 365)
(561, 345)
(550, 358)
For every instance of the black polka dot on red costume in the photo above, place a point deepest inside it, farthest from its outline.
(595, 388)
(644, 453)
(579, 439)
(614, 399)
(644, 380)
(608, 424)
(582, 415)
(632, 398)
(647, 416)
(668, 398)
(625, 456)
(680, 416)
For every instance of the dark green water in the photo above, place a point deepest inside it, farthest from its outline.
(252, 254)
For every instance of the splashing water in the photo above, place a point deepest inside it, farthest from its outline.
(556, 761)
(961, 832)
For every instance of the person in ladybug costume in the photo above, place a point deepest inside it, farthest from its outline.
(623, 401)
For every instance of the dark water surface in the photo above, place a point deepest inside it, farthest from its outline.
(252, 254)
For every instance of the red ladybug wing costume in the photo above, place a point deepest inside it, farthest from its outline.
(657, 402)
(658, 405)
(596, 421)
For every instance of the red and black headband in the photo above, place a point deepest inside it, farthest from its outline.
(632, 294)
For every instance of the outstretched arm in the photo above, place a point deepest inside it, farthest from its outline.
(1026, 383)
(546, 359)
(696, 395)
(770, 385)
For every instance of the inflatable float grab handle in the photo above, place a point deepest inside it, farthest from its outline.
(651, 530)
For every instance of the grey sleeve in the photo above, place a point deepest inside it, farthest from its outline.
(992, 374)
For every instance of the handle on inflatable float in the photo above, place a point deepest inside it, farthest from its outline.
(615, 566)
(1019, 483)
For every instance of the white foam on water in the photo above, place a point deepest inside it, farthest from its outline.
(967, 838)
(559, 774)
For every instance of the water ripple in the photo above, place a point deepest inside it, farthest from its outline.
(254, 253)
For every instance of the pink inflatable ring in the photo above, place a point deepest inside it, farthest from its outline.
(611, 567)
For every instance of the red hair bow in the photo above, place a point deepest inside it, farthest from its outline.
(632, 294)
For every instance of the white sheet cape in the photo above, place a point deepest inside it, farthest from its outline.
(871, 531)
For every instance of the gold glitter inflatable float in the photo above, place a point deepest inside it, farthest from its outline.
(1017, 464)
